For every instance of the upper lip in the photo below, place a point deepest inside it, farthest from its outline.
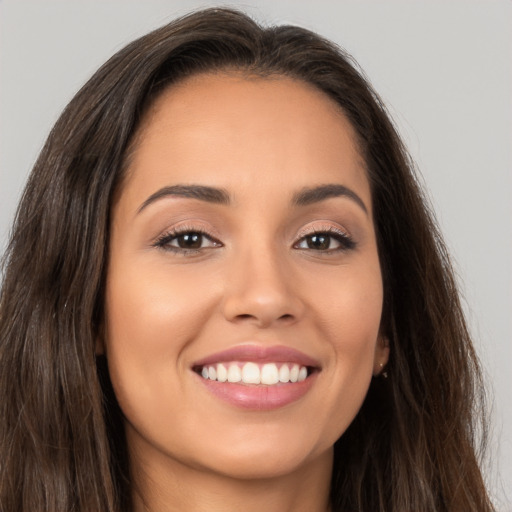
(259, 354)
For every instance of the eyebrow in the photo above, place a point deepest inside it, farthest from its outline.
(304, 197)
(308, 196)
(201, 192)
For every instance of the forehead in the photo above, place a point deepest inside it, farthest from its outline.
(233, 98)
(216, 127)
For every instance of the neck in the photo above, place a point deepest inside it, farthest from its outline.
(171, 487)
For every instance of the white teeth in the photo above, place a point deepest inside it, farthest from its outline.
(252, 373)
(234, 373)
(269, 374)
(222, 373)
(284, 373)
(294, 373)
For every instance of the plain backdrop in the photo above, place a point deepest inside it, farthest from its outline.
(443, 68)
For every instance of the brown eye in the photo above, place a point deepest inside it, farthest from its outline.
(320, 242)
(189, 241)
(186, 242)
(326, 241)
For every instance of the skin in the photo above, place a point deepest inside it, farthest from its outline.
(256, 281)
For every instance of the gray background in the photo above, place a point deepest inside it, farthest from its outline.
(444, 70)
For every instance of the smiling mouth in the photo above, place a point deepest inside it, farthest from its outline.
(258, 378)
(252, 373)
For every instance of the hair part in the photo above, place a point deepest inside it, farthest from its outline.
(412, 445)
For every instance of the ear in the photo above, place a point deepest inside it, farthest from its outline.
(381, 357)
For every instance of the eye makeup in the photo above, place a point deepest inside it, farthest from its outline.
(186, 240)
(320, 239)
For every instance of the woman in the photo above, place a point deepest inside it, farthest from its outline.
(224, 290)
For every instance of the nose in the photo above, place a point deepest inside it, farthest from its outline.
(261, 290)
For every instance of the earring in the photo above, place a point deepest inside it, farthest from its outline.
(382, 371)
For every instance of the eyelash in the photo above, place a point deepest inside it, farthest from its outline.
(344, 239)
(163, 242)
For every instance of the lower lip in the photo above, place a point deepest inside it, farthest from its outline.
(259, 397)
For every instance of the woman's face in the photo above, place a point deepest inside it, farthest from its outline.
(242, 251)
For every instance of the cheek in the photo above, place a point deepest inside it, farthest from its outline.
(151, 308)
(349, 320)
(151, 317)
(350, 308)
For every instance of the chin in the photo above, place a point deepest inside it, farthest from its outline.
(260, 467)
(266, 460)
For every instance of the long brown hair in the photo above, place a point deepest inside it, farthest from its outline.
(413, 444)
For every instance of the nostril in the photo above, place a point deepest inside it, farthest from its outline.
(245, 316)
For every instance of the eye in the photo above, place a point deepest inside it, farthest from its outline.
(186, 241)
(329, 240)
